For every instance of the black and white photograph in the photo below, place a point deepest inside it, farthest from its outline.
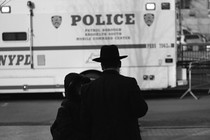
(104, 69)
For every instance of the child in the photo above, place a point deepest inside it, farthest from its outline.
(66, 125)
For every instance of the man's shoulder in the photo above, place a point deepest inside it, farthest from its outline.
(127, 78)
(117, 78)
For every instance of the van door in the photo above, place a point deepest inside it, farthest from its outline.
(15, 40)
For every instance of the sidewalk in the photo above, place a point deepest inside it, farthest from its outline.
(175, 133)
(43, 133)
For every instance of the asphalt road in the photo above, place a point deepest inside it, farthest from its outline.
(168, 117)
(28, 110)
(165, 109)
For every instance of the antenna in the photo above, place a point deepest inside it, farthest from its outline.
(31, 7)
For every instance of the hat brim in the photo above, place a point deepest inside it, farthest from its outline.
(99, 59)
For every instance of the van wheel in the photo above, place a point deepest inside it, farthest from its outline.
(92, 74)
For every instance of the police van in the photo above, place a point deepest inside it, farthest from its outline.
(43, 40)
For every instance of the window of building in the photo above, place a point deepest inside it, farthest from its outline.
(14, 36)
(185, 4)
(208, 4)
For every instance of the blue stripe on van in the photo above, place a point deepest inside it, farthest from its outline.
(52, 48)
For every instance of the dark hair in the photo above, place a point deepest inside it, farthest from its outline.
(72, 82)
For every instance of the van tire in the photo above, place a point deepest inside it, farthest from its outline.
(92, 74)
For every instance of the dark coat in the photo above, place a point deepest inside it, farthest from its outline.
(111, 106)
(66, 124)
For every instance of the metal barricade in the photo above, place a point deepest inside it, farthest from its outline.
(196, 58)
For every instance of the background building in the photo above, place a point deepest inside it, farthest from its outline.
(195, 16)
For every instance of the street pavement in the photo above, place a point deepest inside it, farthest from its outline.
(168, 118)
(169, 110)
(42, 133)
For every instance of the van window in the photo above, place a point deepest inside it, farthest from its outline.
(14, 36)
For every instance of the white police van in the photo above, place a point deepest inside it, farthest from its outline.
(43, 40)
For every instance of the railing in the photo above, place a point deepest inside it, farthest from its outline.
(193, 52)
(196, 58)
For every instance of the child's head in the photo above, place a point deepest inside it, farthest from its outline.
(73, 83)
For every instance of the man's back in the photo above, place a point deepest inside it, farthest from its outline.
(111, 107)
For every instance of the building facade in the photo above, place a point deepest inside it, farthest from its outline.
(195, 16)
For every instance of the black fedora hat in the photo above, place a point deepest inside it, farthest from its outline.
(109, 53)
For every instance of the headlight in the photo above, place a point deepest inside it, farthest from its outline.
(5, 9)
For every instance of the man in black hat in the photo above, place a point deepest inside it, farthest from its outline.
(112, 104)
